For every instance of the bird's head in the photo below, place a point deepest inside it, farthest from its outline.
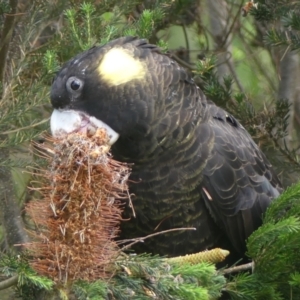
(125, 86)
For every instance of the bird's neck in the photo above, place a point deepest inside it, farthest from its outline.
(170, 132)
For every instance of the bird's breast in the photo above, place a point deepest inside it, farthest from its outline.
(167, 195)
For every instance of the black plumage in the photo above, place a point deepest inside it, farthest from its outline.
(194, 165)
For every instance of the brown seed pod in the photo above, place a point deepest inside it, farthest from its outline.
(78, 215)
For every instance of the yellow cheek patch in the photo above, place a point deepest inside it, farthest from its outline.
(118, 67)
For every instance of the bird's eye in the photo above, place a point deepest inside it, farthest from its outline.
(74, 84)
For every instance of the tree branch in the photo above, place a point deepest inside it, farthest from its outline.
(6, 35)
(240, 268)
(8, 282)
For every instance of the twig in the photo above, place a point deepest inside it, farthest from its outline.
(236, 269)
(186, 37)
(26, 127)
(284, 152)
(9, 282)
(233, 23)
(131, 204)
(141, 239)
(182, 62)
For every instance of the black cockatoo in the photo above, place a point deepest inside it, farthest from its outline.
(193, 164)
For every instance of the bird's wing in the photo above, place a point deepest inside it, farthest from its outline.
(238, 182)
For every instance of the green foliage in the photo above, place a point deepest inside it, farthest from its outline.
(84, 38)
(145, 277)
(204, 274)
(288, 13)
(50, 62)
(280, 235)
(28, 280)
(89, 24)
(273, 10)
(274, 248)
(220, 93)
(283, 38)
(145, 25)
(4, 7)
(295, 280)
(291, 20)
(25, 111)
(136, 277)
(245, 286)
(94, 291)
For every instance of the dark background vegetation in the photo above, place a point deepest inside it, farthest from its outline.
(244, 55)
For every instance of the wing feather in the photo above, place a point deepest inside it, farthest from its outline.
(240, 181)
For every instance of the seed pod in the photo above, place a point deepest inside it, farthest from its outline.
(78, 214)
(214, 256)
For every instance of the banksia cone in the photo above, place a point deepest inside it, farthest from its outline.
(214, 256)
(78, 216)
